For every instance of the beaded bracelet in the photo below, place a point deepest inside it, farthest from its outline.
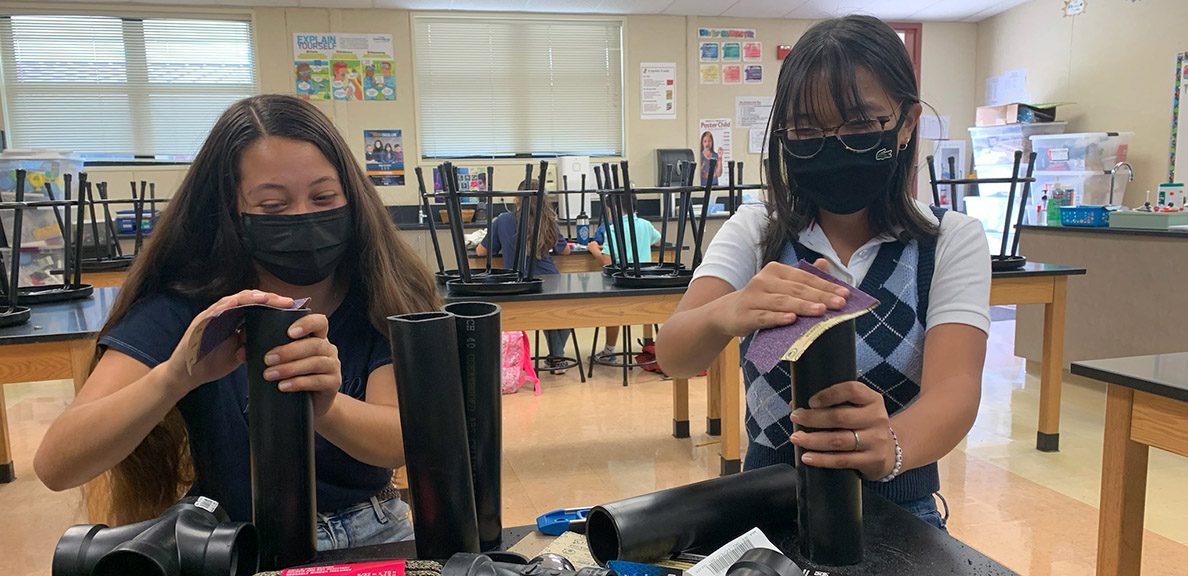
(898, 459)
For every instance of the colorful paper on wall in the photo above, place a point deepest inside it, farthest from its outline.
(753, 74)
(709, 51)
(752, 51)
(788, 342)
(710, 74)
(731, 51)
(344, 66)
(385, 157)
(725, 33)
(657, 90)
(732, 74)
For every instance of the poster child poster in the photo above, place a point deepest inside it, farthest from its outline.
(385, 157)
(715, 143)
(344, 66)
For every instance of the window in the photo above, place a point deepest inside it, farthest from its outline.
(121, 88)
(489, 87)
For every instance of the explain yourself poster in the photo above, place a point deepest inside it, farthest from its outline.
(344, 66)
(714, 143)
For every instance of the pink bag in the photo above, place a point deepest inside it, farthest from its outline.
(517, 363)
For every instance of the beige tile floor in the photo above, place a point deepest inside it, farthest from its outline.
(582, 444)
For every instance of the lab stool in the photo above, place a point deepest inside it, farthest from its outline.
(625, 359)
(567, 362)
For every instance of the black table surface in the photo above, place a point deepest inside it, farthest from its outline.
(1032, 269)
(896, 544)
(71, 320)
(1160, 374)
(569, 286)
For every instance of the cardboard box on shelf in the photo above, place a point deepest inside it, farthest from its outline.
(1017, 113)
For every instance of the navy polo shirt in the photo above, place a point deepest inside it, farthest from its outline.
(502, 241)
(216, 413)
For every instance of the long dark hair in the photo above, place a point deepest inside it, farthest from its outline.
(197, 252)
(550, 234)
(829, 54)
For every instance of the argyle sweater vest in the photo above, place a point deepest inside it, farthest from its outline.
(890, 359)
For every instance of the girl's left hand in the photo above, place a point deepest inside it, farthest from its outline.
(307, 364)
(839, 412)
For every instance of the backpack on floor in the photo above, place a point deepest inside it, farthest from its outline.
(517, 363)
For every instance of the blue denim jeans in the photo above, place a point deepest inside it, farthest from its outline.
(371, 521)
(557, 340)
(925, 509)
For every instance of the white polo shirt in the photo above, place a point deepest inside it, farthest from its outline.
(960, 292)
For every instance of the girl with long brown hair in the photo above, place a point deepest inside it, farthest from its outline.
(503, 239)
(272, 207)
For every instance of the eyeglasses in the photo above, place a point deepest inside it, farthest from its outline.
(857, 135)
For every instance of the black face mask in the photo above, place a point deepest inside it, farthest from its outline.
(299, 249)
(843, 182)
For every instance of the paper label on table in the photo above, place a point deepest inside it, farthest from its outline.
(723, 558)
(572, 546)
(384, 568)
(206, 504)
(788, 342)
(216, 328)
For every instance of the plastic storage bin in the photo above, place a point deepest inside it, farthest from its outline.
(126, 221)
(996, 145)
(1082, 152)
(1088, 187)
(1088, 216)
(40, 226)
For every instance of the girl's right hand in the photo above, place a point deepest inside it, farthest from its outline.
(229, 354)
(776, 296)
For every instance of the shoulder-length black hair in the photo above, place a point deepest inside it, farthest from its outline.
(829, 55)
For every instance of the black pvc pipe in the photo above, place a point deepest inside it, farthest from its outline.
(433, 420)
(281, 436)
(477, 325)
(192, 537)
(829, 501)
(534, 252)
(706, 514)
(628, 200)
(429, 219)
(14, 243)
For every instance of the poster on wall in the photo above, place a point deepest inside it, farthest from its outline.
(657, 90)
(753, 74)
(731, 52)
(709, 51)
(725, 33)
(757, 141)
(715, 143)
(752, 51)
(752, 111)
(710, 74)
(344, 66)
(385, 157)
(732, 74)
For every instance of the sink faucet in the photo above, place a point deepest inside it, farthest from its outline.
(1114, 173)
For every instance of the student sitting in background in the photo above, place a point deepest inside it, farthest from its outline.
(502, 241)
(274, 206)
(602, 246)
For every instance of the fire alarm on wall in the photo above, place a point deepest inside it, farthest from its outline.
(782, 50)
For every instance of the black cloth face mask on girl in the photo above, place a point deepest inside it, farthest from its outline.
(299, 249)
(836, 178)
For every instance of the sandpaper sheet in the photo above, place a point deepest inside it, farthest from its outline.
(771, 345)
(218, 327)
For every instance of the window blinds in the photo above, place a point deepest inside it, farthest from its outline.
(120, 87)
(493, 87)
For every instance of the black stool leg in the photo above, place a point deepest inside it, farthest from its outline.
(536, 356)
(593, 351)
(626, 353)
(578, 355)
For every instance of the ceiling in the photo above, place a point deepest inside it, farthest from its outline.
(894, 10)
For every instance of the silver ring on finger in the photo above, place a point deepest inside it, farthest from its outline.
(857, 442)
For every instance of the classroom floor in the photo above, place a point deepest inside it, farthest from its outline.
(583, 444)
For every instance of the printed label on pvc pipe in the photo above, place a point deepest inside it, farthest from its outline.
(723, 558)
(388, 568)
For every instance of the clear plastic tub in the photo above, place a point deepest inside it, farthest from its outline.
(1081, 152)
(40, 226)
(1088, 187)
(996, 145)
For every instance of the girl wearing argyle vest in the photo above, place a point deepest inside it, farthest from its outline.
(842, 152)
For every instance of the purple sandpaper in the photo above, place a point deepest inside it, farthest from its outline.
(771, 344)
(222, 325)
